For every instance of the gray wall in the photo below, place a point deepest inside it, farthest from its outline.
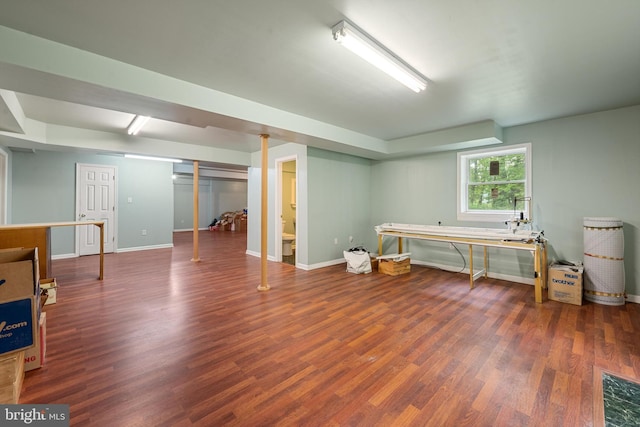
(43, 190)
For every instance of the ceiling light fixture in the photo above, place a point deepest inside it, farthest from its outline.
(367, 48)
(136, 124)
(160, 159)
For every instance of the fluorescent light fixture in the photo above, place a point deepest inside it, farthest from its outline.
(136, 124)
(367, 48)
(160, 159)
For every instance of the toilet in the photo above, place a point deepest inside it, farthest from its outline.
(287, 242)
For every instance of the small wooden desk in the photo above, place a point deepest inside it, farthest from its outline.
(38, 235)
(533, 242)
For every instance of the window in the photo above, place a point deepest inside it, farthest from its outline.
(494, 184)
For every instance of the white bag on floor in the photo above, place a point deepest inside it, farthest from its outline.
(358, 260)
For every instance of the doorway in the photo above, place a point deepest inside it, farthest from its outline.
(287, 197)
(95, 201)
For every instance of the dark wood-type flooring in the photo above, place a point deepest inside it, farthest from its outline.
(164, 341)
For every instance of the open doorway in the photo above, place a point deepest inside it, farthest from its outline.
(287, 201)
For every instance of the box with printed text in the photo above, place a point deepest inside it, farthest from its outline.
(18, 324)
(565, 283)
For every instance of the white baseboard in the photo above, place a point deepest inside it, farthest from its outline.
(133, 249)
(326, 264)
(305, 267)
(258, 255)
(182, 230)
(507, 277)
(145, 248)
(64, 256)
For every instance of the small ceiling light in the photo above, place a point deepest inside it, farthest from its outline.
(373, 52)
(136, 124)
(160, 159)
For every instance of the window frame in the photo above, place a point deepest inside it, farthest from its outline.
(463, 212)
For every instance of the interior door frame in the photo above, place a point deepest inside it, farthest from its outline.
(4, 185)
(114, 226)
(278, 205)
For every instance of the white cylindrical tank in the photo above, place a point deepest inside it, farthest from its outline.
(604, 261)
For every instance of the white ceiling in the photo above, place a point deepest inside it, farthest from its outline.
(511, 62)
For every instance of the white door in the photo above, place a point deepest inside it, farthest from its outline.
(95, 200)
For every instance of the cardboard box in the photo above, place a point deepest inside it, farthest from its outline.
(241, 223)
(19, 274)
(51, 286)
(565, 283)
(394, 264)
(18, 325)
(34, 356)
(11, 377)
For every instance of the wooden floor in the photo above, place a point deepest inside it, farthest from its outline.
(164, 341)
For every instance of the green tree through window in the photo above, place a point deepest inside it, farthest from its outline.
(491, 180)
(496, 192)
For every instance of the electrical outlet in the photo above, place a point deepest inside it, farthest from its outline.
(451, 246)
(335, 240)
(144, 232)
(350, 239)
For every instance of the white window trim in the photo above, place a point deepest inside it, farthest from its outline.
(463, 214)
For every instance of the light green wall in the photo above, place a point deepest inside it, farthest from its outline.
(183, 204)
(340, 204)
(337, 209)
(150, 185)
(43, 190)
(216, 196)
(282, 153)
(583, 166)
(417, 190)
(587, 166)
